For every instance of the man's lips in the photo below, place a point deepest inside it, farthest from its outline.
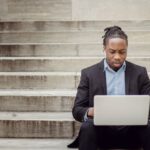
(117, 64)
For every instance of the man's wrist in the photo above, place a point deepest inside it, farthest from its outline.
(90, 112)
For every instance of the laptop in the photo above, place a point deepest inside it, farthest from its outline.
(121, 110)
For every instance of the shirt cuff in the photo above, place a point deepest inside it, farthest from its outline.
(86, 116)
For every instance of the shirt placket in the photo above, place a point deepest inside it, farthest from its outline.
(116, 84)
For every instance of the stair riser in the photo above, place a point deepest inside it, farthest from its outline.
(36, 103)
(72, 25)
(37, 129)
(58, 64)
(66, 50)
(39, 82)
(67, 37)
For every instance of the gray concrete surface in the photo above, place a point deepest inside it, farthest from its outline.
(64, 26)
(31, 144)
(20, 100)
(67, 37)
(37, 125)
(66, 50)
(110, 10)
(58, 64)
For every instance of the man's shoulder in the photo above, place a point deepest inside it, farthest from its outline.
(134, 66)
(135, 69)
(92, 68)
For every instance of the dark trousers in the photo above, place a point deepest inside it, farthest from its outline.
(93, 137)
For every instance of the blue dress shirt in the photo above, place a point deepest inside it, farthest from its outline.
(115, 81)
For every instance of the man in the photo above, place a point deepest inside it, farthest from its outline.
(112, 76)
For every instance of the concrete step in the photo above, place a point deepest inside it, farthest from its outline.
(37, 100)
(40, 80)
(74, 64)
(36, 10)
(67, 50)
(39, 144)
(30, 144)
(64, 26)
(37, 125)
(67, 37)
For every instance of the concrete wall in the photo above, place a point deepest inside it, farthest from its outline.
(111, 9)
(74, 10)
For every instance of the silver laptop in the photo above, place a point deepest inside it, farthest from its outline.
(121, 110)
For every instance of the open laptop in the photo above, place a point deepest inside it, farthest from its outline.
(121, 110)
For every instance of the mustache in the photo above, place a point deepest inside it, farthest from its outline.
(117, 62)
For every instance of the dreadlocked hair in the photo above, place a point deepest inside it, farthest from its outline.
(114, 32)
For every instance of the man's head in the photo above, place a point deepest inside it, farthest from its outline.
(115, 43)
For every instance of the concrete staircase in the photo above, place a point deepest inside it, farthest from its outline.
(39, 79)
(42, 53)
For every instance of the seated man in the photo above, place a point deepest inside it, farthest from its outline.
(112, 76)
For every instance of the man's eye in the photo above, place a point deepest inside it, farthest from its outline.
(123, 52)
(112, 52)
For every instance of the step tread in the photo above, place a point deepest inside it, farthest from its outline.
(36, 116)
(76, 43)
(34, 143)
(67, 31)
(66, 58)
(40, 73)
(19, 92)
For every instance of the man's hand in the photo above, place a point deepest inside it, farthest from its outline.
(90, 112)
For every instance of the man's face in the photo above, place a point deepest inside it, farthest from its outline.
(116, 52)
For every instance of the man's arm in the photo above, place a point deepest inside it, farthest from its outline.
(81, 104)
(144, 83)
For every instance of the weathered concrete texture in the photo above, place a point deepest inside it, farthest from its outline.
(54, 125)
(77, 126)
(67, 50)
(65, 64)
(37, 10)
(30, 26)
(67, 37)
(64, 26)
(36, 103)
(41, 92)
(45, 50)
(31, 144)
(38, 80)
(110, 10)
(45, 80)
(3, 8)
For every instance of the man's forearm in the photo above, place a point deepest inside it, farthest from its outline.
(79, 113)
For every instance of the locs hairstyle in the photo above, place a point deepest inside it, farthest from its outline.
(114, 32)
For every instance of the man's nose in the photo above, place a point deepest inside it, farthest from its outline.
(117, 56)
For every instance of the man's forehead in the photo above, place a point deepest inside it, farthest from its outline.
(116, 41)
(123, 49)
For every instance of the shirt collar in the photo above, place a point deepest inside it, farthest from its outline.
(106, 66)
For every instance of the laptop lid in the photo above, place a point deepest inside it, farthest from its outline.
(121, 110)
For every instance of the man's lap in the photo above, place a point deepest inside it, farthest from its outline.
(114, 136)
